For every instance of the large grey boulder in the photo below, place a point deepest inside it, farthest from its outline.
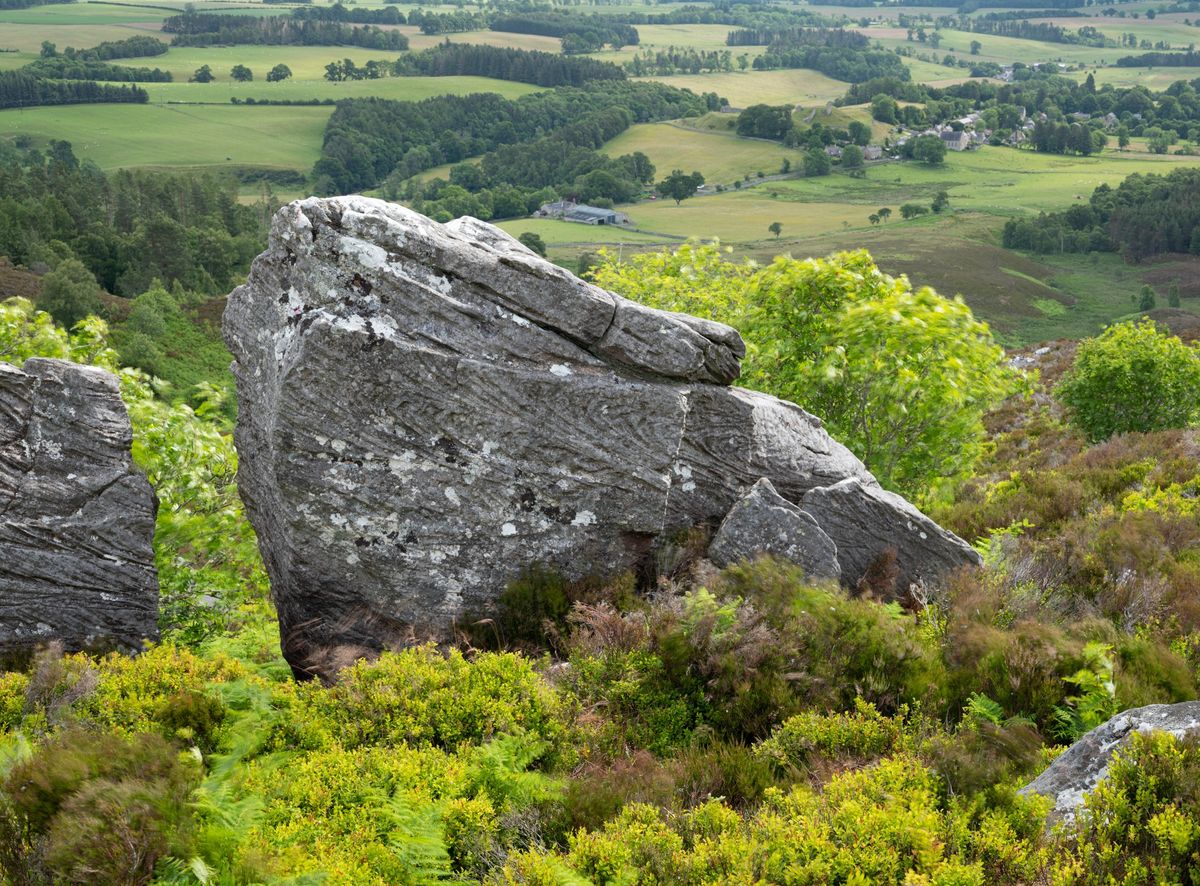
(764, 522)
(425, 410)
(76, 516)
(1073, 775)
(865, 520)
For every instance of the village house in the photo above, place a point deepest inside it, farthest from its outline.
(956, 141)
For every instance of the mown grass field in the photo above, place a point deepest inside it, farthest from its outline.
(720, 157)
(117, 136)
(398, 88)
(744, 88)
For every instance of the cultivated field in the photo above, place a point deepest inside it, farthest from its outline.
(720, 157)
(118, 136)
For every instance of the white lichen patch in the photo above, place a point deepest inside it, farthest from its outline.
(560, 369)
(508, 529)
(366, 254)
(452, 497)
(584, 518)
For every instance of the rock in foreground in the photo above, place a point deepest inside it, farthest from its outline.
(76, 516)
(425, 410)
(1071, 777)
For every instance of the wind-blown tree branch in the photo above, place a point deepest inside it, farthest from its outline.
(901, 376)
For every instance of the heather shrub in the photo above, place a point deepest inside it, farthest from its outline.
(1141, 824)
(422, 697)
(96, 808)
(861, 735)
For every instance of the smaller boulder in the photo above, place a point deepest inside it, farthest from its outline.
(866, 521)
(1075, 774)
(764, 522)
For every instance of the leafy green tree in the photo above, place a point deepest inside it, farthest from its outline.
(976, 46)
(941, 202)
(902, 377)
(1173, 295)
(70, 293)
(1146, 299)
(816, 162)
(852, 157)
(928, 149)
(860, 133)
(278, 73)
(203, 74)
(679, 186)
(912, 210)
(1132, 377)
(884, 213)
(884, 108)
(241, 74)
(535, 242)
(49, 50)
(775, 228)
(873, 218)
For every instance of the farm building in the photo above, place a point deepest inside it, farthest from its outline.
(568, 210)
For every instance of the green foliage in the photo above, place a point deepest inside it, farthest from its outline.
(70, 293)
(1140, 825)
(902, 377)
(89, 808)
(863, 734)
(1096, 701)
(1132, 377)
(679, 186)
(534, 242)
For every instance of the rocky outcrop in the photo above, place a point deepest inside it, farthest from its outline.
(425, 410)
(764, 522)
(76, 516)
(865, 520)
(1073, 775)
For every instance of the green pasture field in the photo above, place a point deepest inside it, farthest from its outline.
(534, 42)
(399, 88)
(719, 156)
(571, 236)
(1002, 50)
(744, 88)
(1155, 79)
(69, 15)
(164, 136)
(28, 38)
(306, 62)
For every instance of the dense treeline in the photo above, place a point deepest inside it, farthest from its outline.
(131, 47)
(22, 90)
(515, 180)
(211, 29)
(742, 15)
(1189, 59)
(1145, 216)
(1162, 117)
(25, 4)
(1026, 30)
(675, 60)
(366, 140)
(765, 36)
(579, 32)
(128, 228)
(62, 67)
(522, 66)
(843, 55)
(388, 15)
(459, 20)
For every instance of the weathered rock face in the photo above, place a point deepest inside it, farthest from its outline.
(1072, 776)
(864, 519)
(426, 410)
(76, 516)
(764, 522)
